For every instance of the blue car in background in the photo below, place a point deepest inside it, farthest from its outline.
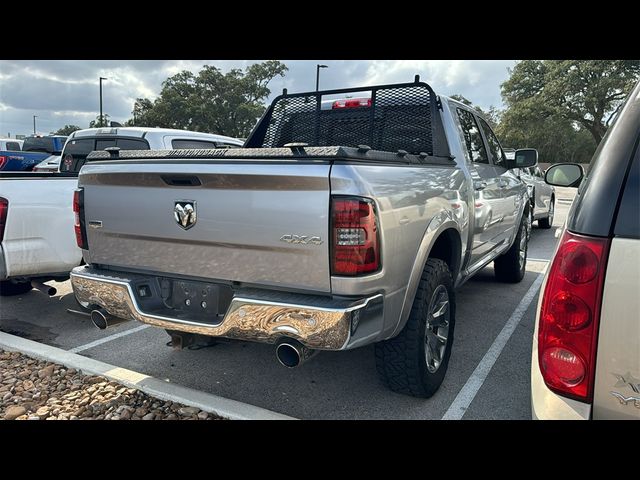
(35, 149)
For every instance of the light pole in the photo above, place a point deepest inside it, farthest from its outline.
(34, 124)
(101, 117)
(318, 67)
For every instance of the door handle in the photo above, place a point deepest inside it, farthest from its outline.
(502, 183)
(479, 185)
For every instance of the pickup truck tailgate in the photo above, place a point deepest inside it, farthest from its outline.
(242, 212)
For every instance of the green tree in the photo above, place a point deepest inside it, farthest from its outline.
(529, 124)
(210, 101)
(100, 122)
(587, 93)
(66, 130)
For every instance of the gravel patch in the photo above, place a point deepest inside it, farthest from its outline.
(38, 390)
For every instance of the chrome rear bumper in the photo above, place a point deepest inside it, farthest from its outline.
(322, 327)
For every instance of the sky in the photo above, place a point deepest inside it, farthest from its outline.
(63, 92)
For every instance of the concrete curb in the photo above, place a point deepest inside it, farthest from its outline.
(163, 390)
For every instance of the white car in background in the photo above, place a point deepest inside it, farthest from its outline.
(82, 142)
(11, 144)
(37, 240)
(542, 195)
(50, 164)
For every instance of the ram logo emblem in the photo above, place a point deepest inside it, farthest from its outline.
(301, 239)
(184, 213)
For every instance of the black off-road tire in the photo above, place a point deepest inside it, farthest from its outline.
(401, 361)
(547, 222)
(508, 266)
(9, 288)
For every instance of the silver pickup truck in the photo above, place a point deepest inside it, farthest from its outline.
(348, 218)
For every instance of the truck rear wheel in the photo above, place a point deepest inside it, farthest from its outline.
(9, 288)
(510, 266)
(415, 362)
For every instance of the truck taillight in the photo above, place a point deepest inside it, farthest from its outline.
(78, 210)
(569, 316)
(4, 208)
(356, 243)
(3, 161)
(351, 103)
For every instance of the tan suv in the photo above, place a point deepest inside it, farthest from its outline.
(586, 345)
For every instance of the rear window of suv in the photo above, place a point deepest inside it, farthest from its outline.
(75, 152)
(628, 219)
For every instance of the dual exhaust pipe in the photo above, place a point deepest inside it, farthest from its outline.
(289, 352)
(103, 319)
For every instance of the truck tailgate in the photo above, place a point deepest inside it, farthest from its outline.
(242, 212)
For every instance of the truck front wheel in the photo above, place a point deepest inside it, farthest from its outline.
(9, 288)
(415, 362)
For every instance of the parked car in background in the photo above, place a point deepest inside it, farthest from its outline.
(51, 164)
(586, 346)
(12, 144)
(37, 242)
(542, 194)
(83, 142)
(35, 149)
(342, 223)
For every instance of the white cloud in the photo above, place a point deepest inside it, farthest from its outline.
(66, 91)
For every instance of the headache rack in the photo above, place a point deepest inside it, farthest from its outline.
(401, 117)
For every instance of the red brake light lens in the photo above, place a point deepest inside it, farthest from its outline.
(351, 103)
(355, 237)
(569, 315)
(3, 161)
(4, 208)
(78, 210)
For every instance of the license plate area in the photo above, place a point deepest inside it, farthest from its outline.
(183, 299)
(200, 298)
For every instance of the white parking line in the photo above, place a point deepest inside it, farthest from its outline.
(464, 398)
(87, 346)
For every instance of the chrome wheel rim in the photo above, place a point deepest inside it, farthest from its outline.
(522, 248)
(437, 328)
(551, 213)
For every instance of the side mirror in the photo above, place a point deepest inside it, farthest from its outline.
(564, 175)
(523, 158)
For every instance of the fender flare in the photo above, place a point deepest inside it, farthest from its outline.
(440, 223)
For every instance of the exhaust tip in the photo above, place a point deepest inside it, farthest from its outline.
(44, 288)
(99, 319)
(288, 355)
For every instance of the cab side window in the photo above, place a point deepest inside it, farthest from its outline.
(472, 137)
(497, 154)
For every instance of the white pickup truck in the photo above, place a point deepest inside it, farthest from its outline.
(37, 242)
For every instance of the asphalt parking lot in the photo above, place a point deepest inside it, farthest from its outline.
(488, 376)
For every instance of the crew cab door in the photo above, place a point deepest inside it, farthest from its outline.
(509, 185)
(487, 192)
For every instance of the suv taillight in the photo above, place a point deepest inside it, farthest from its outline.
(4, 208)
(3, 161)
(569, 316)
(78, 210)
(355, 239)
